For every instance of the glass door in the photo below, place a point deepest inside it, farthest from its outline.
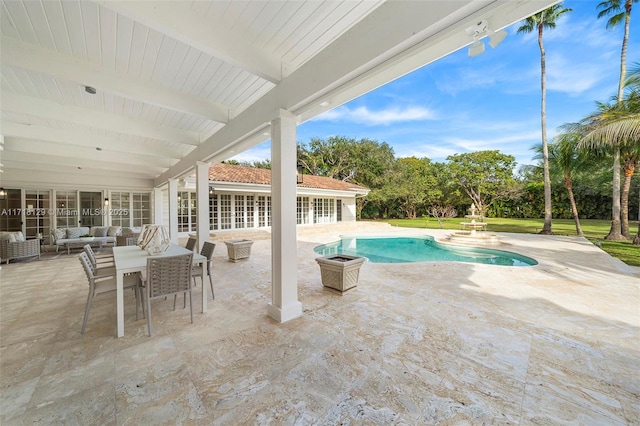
(11, 211)
(91, 208)
(37, 214)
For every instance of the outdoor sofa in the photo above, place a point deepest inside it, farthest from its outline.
(13, 245)
(96, 236)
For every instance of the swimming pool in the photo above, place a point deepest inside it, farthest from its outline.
(419, 249)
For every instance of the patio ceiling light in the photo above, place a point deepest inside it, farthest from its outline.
(90, 90)
(480, 30)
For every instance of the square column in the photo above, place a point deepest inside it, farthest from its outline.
(202, 205)
(157, 207)
(284, 251)
(173, 210)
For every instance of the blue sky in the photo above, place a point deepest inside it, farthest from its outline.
(492, 101)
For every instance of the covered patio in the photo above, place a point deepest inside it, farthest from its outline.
(131, 97)
(426, 343)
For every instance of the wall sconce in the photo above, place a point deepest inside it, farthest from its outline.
(299, 174)
(480, 30)
(211, 190)
(106, 202)
(3, 194)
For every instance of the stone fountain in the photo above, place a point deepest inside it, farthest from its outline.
(473, 230)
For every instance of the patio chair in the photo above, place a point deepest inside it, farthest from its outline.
(191, 244)
(131, 241)
(102, 266)
(167, 276)
(198, 271)
(104, 284)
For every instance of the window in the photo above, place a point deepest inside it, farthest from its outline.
(302, 210)
(184, 211)
(323, 210)
(37, 214)
(66, 209)
(225, 211)
(239, 211)
(141, 209)
(130, 209)
(10, 211)
(120, 205)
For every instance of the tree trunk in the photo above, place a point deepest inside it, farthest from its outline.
(546, 229)
(615, 233)
(636, 240)
(574, 209)
(629, 169)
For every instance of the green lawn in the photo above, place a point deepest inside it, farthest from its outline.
(592, 229)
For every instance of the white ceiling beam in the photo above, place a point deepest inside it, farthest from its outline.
(388, 32)
(189, 27)
(81, 156)
(12, 102)
(75, 138)
(27, 56)
(22, 176)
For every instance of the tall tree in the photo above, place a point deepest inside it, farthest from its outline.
(545, 19)
(486, 176)
(618, 11)
(565, 156)
(615, 125)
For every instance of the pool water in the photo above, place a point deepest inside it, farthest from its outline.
(419, 249)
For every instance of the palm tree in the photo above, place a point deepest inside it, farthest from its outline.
(565, 155)
(545, 19)
(616, 125)
(619, 11)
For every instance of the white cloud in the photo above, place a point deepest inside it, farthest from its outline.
(385, 117)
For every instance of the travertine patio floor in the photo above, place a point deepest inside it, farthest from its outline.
(428, 343)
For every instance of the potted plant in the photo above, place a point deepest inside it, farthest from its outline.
(340, 272)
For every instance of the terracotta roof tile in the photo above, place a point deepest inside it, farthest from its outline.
(231, 173)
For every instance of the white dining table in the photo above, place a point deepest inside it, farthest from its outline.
(129, 259)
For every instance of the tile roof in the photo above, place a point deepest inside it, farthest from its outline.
(242, 174)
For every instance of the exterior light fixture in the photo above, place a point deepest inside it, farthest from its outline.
(106, 202)
(299, 174)
(481, 30)
(3, 194)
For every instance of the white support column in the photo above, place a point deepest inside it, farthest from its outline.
(157, 207)
(173, 210)
(202, 194)
(202, 214)
(284, 252)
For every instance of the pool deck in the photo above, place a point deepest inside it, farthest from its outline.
(422, 343)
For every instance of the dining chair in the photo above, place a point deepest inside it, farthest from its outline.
(198, 271)
(191, 244)
(131, 241)
(166, 276)
(101, 265)
(105, 284)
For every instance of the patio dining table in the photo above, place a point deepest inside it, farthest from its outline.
(129, 259)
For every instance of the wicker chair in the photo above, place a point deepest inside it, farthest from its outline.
(191, 244)
(101, 265)
(18, 249)
(166, 276)
(104, 284)
(198, 271)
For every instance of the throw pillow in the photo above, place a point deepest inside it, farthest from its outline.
(92, 232)
(76, 232)
(19, 236)
(60, 233)
(100, 231)
(113, 231)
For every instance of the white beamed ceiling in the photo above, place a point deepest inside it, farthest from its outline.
(185, 81)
